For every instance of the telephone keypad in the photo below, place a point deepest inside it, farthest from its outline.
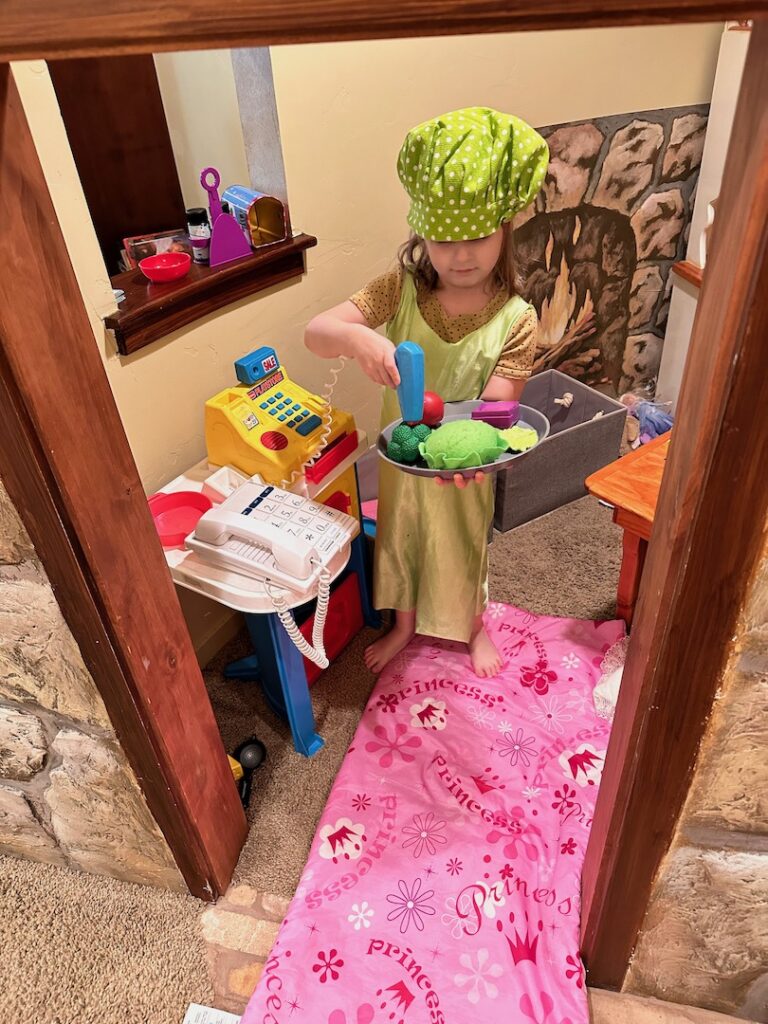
(316, 524)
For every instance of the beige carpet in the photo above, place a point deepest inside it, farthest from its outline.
(566, 563)
(289, 791)
(75, 949)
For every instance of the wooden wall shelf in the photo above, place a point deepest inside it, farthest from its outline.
(152, 311)
(689, 271)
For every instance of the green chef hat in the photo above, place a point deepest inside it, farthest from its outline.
(468, 171)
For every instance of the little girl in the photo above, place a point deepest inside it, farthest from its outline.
(466, 173)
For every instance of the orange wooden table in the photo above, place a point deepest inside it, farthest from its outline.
(631, 485)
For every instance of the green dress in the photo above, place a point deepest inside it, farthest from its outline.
(431, 542)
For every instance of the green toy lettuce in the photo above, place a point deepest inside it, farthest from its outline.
(466, 444)
(519, 439)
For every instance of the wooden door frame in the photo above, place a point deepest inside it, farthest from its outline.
(710, 521)
(67, 466)
(706, 542)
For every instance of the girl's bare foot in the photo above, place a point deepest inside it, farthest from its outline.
(486, 660)
(380, 653)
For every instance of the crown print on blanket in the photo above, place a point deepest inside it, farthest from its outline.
(344, 839)
(398, 1002)
(522, 947)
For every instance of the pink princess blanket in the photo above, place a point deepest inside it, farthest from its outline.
(443, 882)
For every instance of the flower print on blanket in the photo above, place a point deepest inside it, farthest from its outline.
(443, 881)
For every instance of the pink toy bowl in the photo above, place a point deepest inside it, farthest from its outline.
(166, 266)
(177, 513)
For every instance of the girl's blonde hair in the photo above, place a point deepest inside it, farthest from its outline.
(414, 259)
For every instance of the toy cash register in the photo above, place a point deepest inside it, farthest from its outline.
(269, 425)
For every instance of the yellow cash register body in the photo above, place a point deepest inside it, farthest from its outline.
(271, 426)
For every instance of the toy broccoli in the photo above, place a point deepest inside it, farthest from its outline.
(404, 444)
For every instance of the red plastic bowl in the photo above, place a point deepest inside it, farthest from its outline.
(167, 266)
(176, 514)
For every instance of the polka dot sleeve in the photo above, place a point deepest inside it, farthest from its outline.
(378, 300)
(517, 356)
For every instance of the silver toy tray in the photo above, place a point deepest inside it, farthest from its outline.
(531, 418)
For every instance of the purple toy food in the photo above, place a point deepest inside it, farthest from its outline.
(499, 414)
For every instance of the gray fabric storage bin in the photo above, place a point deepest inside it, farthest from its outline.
(553, 474)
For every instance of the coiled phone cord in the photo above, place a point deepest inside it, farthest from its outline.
(315, 651)
(327, 418)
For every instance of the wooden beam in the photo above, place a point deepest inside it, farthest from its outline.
(66, 463)
(73, 28)
(706, 540)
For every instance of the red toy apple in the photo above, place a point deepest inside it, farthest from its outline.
(434, 409)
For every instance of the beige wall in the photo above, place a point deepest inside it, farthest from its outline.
(682, 310)
(344, 109)
(200, 102)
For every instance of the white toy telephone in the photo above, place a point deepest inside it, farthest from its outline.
(283, 539)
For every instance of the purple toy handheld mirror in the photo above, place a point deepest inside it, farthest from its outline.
(228, 242)
(212, 188)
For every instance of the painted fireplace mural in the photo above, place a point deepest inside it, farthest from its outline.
(595, 250)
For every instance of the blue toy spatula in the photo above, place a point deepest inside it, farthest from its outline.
(409, 358)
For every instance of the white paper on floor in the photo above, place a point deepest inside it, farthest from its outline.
(197, 1014)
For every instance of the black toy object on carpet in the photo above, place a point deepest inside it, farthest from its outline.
(251, 754)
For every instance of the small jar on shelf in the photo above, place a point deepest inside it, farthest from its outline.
(199, 234)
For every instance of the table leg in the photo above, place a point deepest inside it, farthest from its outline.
(244, 670)
(284, 680)
(632, 561)
(357, 564)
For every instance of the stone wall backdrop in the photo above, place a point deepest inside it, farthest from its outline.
(596, 248)
(67, 793)
(705, 937)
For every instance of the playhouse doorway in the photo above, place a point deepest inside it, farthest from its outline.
(86, 512)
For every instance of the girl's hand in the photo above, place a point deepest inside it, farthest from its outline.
(343, 331)
(375, 355)
(460, 481)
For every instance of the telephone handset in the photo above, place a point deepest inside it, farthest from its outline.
(274, 535)
(292, 556)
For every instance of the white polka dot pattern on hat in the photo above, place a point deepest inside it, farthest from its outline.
(495, 161)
